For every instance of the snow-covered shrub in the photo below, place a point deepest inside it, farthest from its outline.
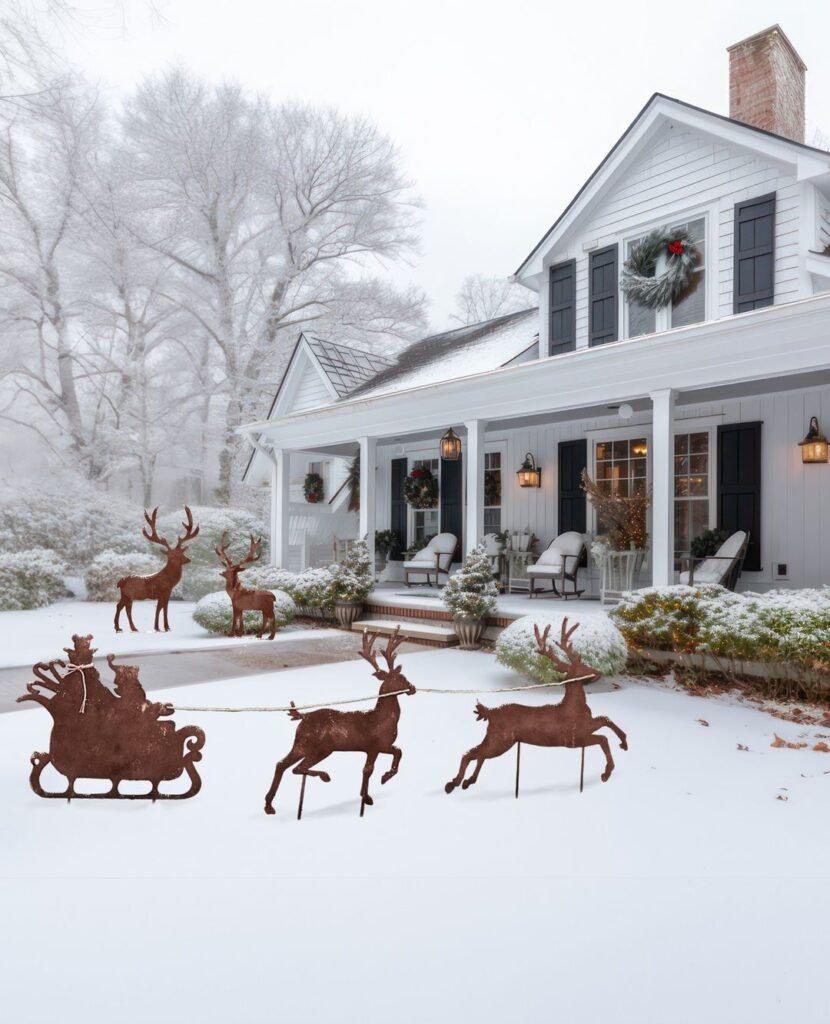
(310, 589)
(214, 613)
(109, 567)
(471, 592)
(353, 578)
(30, 578)
(201, 576)
(664, 618)
(597, 641)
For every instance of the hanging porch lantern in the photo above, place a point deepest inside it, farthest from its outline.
(451, 446)
(814, 446)
(529, 474)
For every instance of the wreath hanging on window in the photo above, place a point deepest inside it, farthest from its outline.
(639, 281)
(313, 488)
(421, 488)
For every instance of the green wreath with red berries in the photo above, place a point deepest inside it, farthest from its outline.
(420, 488)
(640, 282)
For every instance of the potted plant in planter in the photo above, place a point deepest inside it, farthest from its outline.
(470, 595)
(352, 582)
(385, 541)
(313, 488)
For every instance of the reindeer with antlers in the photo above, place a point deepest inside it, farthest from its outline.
(324, 731)
(159, 586)
(243, 599)
(566, 724)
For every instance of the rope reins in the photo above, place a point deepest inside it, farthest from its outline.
(379, 696)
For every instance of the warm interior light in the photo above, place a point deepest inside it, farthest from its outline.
(529, 474)
(451, 446)
(814, 446)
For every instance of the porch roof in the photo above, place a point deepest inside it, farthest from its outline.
(767, 344)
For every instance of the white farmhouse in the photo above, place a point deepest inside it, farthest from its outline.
(704, 400)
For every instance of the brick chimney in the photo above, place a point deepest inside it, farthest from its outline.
(766, 84)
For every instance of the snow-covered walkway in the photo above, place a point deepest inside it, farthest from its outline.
(683, 890)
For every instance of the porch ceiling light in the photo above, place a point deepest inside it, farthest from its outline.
(529, 474)
(451, 446)
(814, 446)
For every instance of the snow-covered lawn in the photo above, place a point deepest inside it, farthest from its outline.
(42, 633)
(683, 890)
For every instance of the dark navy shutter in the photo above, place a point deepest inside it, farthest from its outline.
(573, 458)
(739, 485)
(398, 518)
(602, 299)
(452, 500)
(754, 272)
(562, 332)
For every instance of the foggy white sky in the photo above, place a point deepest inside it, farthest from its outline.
(501, 109)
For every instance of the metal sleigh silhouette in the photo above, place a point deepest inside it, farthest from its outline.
(99, 733)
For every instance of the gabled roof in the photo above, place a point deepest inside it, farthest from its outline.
(346, 367)
(457, 353)
(661, 108)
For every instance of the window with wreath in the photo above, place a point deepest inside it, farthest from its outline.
(621, 469)
(426, 522)
(691, 488)
(687, 308)
(492, 492)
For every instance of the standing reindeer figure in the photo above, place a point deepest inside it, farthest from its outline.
(242, 599)
(374, 732)
(159, 586)
(567, 724)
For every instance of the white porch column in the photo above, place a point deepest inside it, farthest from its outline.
(474, 517)
(662, 506)
(368, 470)
(280, 507)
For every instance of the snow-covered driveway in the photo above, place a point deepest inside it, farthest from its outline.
(680, 891)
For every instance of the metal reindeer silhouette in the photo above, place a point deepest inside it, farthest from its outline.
(159, 586)
(99, 733)
(566, 724)
(324, 731)
(243, 599)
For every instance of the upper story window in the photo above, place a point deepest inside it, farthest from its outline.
(688, 308)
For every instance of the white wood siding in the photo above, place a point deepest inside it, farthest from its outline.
(311, 390)
(685, 173)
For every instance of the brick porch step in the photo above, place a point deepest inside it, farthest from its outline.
(412, 629)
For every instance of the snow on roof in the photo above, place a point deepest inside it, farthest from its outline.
(457, 353)
(346, 368)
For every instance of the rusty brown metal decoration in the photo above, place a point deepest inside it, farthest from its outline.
(325, 731)
(242, 599)
(159, 586)
(101, 734)
(566, 724)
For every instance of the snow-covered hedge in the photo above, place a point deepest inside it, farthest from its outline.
(109, 567)
(214, 612)
(311, 589)
(598, 642)
(785, 624)
(30, 578)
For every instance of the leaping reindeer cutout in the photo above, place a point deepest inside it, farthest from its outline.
(566, 724)
(242, 599)
(159, 586)
(325, 731)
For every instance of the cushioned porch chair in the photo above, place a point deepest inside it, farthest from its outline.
(559, 562)
(724, 567)
(434, 559)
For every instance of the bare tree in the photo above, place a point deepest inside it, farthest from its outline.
(483, 298)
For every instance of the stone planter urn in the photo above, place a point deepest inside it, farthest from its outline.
(347, 612)
(469, 632)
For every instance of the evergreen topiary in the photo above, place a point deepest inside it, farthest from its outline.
(471, 592)
(353, 579)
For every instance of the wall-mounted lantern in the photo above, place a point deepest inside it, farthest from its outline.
(529, 474)
(814, 446)
(451, 446)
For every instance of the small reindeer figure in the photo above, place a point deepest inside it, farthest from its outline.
(567, 724)
(159, 586)
(242, 599)
(374, 732)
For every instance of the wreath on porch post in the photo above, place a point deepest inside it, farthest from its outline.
(639, 281)
(420, 488)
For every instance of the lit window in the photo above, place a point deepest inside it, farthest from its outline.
(691, 488)
(621, 469)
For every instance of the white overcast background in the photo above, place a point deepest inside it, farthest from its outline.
(501, 109)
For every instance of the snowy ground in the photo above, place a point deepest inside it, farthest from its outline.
(680, 891)
(42, 633)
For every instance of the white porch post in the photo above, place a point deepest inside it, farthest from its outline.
(662, 509)
(474, 518)
(368, 451)
(280, 507)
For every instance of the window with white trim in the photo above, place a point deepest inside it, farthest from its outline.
(691, 488)
(621, 469)
(492, 492)
(426, 522)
